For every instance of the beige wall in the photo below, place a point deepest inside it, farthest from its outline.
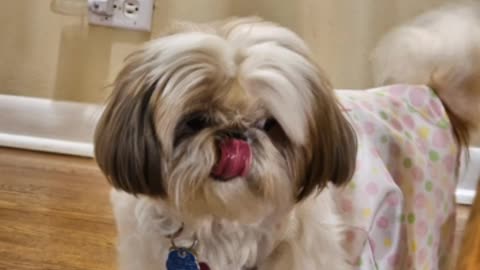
(49, 55)
(61, 57)
(343, 32)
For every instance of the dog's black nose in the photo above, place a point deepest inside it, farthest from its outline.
(236, 134)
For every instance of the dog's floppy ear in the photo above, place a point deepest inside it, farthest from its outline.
(127, 149)
(333, 143)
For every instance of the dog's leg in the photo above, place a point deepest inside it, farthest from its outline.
(140, 246)
(292, 255)
(312, 238)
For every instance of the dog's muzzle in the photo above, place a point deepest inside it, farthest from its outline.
(235, 158)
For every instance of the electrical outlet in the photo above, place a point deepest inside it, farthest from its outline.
(128, 14)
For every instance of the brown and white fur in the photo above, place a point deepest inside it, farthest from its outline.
(441, 49)
(180, 94)
(158, 140)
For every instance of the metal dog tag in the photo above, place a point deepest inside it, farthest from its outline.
(182, 259)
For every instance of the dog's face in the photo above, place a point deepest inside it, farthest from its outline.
(232, 121)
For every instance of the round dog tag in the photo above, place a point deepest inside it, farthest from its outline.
(182, 259)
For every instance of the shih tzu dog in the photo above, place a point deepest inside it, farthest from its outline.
(225, 143)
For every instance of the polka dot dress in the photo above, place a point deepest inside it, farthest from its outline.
(401, 200)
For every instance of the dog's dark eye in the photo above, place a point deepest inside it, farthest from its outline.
(191, 125)
(196, 123)
(274, 131)
(267, 124)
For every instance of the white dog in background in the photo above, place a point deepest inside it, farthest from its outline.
(224, 142)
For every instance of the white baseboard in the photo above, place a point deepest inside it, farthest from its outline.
(464, 196)
(48, 125)
(47, 145)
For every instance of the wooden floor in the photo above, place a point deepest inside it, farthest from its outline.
(54, 213)
(469, 251)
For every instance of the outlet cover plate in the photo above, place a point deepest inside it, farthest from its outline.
(128, 14)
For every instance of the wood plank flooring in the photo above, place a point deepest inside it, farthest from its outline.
(54, 213)
(469, 249)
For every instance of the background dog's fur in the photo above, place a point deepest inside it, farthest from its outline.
(441, 48)
(237, 74)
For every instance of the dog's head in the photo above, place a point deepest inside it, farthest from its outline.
(233, 121)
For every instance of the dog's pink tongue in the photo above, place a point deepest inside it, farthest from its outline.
(235, 159)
